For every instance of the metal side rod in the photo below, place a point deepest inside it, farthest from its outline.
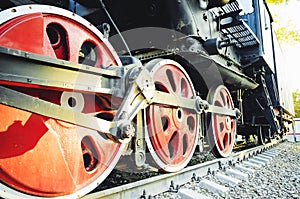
(27, 103)
(139, 95)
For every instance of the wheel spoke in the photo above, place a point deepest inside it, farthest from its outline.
(163, 128)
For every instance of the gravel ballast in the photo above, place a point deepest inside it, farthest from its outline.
(280, 178)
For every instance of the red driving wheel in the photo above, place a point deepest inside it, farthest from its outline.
(40, 156)
(172, 131)
(221, 128)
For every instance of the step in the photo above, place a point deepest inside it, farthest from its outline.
(244, 169)
(255, 161)
(227, 179)
(251, 165)
(236, 174)
(214, 187)
(185, 193)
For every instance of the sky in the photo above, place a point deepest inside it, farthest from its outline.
(288, 15)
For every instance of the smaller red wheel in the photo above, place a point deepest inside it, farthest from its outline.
(221, 128)
(172, 132)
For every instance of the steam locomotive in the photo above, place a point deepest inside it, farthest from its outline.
(84, 83)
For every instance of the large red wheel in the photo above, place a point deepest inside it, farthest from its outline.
(222, 128)
(40, 156)
(172, 131)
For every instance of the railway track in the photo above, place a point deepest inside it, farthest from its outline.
(236, 167)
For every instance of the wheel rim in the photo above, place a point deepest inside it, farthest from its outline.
(222, 129)
(57, 33)
(41, 156)
(172, 131)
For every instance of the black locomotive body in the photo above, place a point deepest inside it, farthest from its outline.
(237, 35)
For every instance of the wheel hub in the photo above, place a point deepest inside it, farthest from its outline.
(178, 116)
(228, 123)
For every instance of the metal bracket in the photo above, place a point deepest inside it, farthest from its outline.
(139, 142)
(105, 29)
(138, 96)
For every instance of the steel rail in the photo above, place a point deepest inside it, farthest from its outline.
(161, 183)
